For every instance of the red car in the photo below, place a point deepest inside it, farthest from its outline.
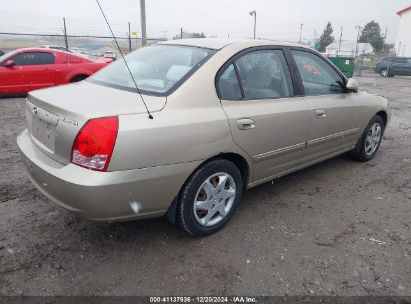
(30, 69)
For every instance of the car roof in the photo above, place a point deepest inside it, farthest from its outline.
(217, 43)
(50, 46)
(40, 49)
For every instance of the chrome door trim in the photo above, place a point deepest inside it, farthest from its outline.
(331, 137)
(278, 152)
(299, 167)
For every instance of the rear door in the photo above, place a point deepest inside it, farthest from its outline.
(334, 113)
(34, 70)
(267, 119)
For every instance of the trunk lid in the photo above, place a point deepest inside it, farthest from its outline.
(55, 115)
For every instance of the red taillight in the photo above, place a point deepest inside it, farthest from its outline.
(95, 142)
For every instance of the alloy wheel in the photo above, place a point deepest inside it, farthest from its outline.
(384, 73)
(373, 139)
(214, 199)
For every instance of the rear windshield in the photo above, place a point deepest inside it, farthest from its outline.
(156, 69)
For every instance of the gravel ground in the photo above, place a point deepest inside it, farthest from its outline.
(337, 228)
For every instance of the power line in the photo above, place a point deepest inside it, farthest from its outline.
(71, 36)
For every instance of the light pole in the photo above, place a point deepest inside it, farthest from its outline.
(254, 13)
(301, 32)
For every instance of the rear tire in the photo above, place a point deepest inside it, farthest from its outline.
(370, 141)
(210, 197)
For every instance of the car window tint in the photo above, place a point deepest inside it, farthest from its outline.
(33, 58)
(318, 77)
(401, 60)
(264, 75)
(228, 86)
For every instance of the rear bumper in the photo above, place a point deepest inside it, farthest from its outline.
(105, 196)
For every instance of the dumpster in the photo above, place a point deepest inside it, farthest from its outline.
(345, 64)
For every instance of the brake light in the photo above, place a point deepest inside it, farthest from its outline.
(95, 142)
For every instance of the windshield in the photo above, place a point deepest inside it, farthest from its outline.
(4, 56)
(156, 69)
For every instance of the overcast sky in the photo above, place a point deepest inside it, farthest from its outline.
(276, 19)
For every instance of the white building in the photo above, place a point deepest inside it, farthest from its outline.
(403, 42)
(348, 48)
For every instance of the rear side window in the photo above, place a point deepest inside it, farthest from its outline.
(318, 77)
(264, 75)
(228, 85)
(33, 58)
(256, 75)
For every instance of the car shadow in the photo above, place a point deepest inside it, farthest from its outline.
(13, 96)
(144, 231)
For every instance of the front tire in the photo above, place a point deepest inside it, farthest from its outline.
(384, 72)
(210, 197)
(370, 140)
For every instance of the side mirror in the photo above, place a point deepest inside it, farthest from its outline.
(9, 63)
(352, 85)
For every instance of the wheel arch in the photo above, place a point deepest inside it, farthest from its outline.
(383, 114)
(239, 161)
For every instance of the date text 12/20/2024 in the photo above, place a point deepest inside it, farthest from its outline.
(203, 299)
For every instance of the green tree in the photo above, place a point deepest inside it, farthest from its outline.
(326, 37)
(371, 34)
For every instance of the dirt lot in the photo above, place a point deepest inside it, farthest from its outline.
(340, 227)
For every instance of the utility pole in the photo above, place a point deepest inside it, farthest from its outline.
(129, 37)
(143, 22)
(339, 46)
(385, 39)
(65, 33)
(181, 33)
(358, 38)
(301, 32)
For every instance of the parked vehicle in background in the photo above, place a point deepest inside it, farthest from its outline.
(392, 66)
(227, 116)
(24, 70)
(110, 54)
(55, 47)
(1, 53)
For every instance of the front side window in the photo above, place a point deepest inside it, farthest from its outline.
(33, 58)
(156, 69)
(318, 77)
(264, 75)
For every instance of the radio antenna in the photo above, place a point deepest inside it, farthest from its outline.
(122, 56)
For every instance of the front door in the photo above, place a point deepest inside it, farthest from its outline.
(32, 70)
(266, 120)
(334, 113)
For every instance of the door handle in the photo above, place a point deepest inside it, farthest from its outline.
(320, 114)
(245, 124)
